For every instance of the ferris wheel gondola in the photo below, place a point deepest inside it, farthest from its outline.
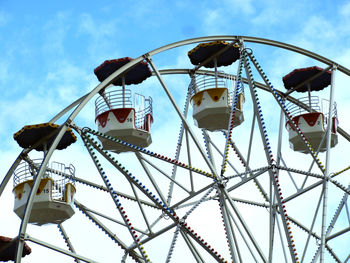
(120, 113)
(312, 121)
(213, 97)
(53, 202)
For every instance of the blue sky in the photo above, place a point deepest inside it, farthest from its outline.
(49, 49)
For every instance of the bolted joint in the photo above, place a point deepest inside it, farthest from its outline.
(22, 237)
(272, 166)
(222, 184)
(147, 57)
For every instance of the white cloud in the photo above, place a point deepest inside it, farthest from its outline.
(225, 17)
(68, 82)
(101, 42)
(320, 28)
(271, 14)
(214, 21)
(31, 108)
(89, 26)
(345, 10)
(4, 18)
(4, 71)
(344, 58)
(63, 84)
(244, 7)
(56, 33)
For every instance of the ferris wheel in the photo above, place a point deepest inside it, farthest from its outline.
(209, 163)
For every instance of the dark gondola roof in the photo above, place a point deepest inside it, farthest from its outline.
(298, 76)
(8, 248)
(204, 50)
(31, 134)
(134, 76)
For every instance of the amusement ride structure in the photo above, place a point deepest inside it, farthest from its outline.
(220, 165)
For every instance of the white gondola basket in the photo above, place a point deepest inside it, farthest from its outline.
(124, 116)
(53, 201)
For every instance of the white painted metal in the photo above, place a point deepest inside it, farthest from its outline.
(53, 202)
(244, 241)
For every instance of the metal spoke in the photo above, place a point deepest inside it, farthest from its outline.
(179, 146)
(149, 175)
(58, 249)
(184, 121)
(245, 226)
(66, 239)
(192, 248)
(164, 173)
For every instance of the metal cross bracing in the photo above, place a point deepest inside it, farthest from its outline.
(68, 242)
(325, 171)
(228, 182)
(146, 191)
(156, 155)
(232, 117)
(178, 147)
(273, 174)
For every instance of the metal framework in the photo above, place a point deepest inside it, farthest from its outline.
(238, 195)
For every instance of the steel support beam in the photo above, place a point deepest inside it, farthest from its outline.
(327, 175)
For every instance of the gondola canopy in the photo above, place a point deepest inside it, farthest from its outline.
(8, 247)
(135, 75)
(298, 76)
(30, 135)
(203, 51)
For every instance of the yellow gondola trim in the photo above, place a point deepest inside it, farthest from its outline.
(240, 101)
(215, 94)
(42, 185)
(197, 98)
(18, 189)
(72, 191)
